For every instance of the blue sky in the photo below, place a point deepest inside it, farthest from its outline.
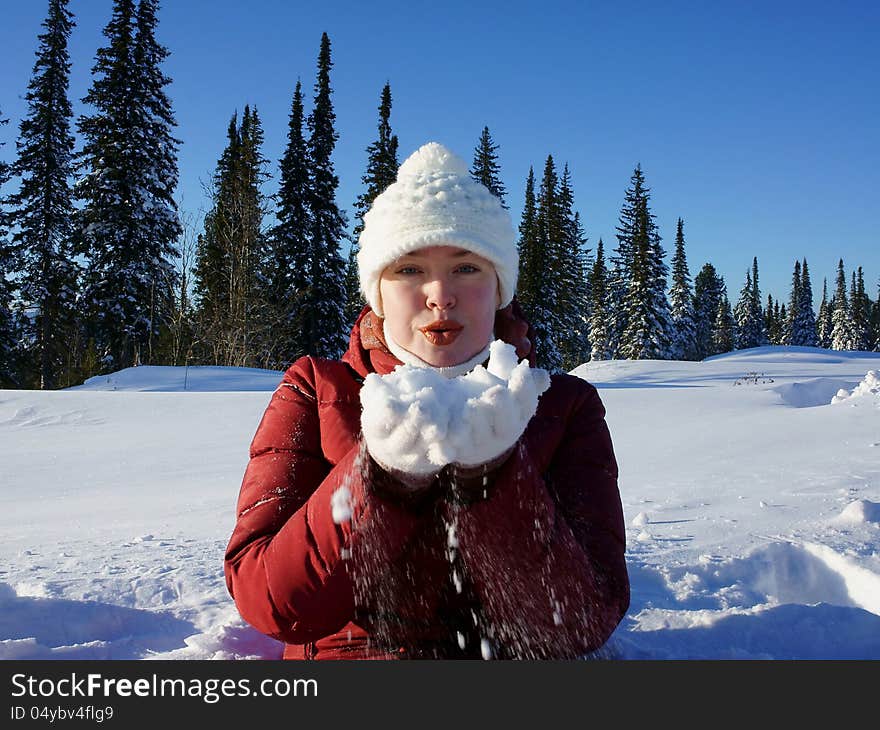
(754, 122)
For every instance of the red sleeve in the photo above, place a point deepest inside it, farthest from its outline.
(288, 565)
(546, 551)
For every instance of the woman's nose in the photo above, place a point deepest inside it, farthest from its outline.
(439, 294)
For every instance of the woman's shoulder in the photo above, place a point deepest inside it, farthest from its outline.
(568, 394)
(315, 376)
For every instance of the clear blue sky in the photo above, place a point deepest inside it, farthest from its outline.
(755, 122)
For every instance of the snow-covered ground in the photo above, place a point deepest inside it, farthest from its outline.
(752, 505)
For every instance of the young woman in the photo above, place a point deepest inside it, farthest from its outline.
(432, 494)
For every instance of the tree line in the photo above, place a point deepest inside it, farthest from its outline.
(622, 304)
(100, 271)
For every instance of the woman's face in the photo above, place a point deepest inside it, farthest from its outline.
(440, 303)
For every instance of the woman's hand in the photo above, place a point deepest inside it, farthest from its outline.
(415, 421)
(497, 404)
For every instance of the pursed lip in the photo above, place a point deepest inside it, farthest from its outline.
(442, 325)
(442, 332)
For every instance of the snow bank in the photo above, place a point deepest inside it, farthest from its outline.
(870, 386)
(760, 606)
(811, 393)
(860, 512)
(193, 379)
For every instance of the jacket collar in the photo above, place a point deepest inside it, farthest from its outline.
(368, 352)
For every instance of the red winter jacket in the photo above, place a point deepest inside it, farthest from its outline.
(533, 567)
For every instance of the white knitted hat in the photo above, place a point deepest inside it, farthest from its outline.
(435, 202)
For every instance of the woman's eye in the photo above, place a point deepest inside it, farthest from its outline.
(408, 270)
(467, 269)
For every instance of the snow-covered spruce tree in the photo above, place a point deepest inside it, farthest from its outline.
(573, 309)
(773, 322)
(382, 164)
(250, 316)
(530, 262)
(228, 287)
(486, 169)
(770, 322)
(158, 169)
(211, 271)
(708, 288)
(758, 313)
(9, 369)
(860, 308)
(599, 307)
(823, 321)
(742, 314)
(681, 303)
(645, 305)
(875, 321)
(545, 297)
(804, 321)
(723, 331)
(622, 259)
(749, 318)
(325, 303)
(789, 334)
(841, 316)
(288, 267)
(42, 212)
(128, 223)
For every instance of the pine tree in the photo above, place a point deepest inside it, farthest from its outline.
(599, 307)
(573, 307)
(769, 324)
(645, 307)
(622, 262)
(742, 316)
(228, 287)
(530, 264)
(43, 208)
(723, 331)
(157, 170)
(9, 376)
(708, 287)
(250, 318)
(288, 282)
(789, 335)
(750, 330)
(382, 164)
(681, 301)
(127, 224)
(544, 314)
(325, 316)
(875, 321)
(841, 316)
(823, 321)
(860, 308)
(757, 312)
(212, 270)
(773, 323)
(486, 168)
(804, 321)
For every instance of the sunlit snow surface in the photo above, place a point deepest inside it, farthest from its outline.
(752, 506)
